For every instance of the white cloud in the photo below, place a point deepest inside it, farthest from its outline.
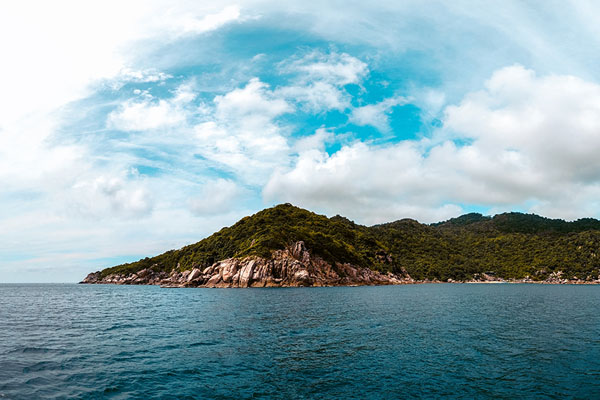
(338, 69)
(127, 75)
(320, 78)
(532, 142)
(28, 160)
(372, 184)
(112, 196)
(54, 54)
(254, 99)
(210, 22)
(315, 141)
(376, 115)
(144, 115)
(506, 32)
(148, 113)
(551, 124)
(244, 135)
(216, 197)
(316, 96)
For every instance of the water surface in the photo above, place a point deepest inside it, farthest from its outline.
(438, 340)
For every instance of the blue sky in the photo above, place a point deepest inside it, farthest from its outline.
(131, 128)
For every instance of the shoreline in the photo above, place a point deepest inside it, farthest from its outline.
(296, 267)
(426, 282)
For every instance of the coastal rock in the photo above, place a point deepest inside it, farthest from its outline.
(195, 273)
(93, 277)
(246, 274)
(145, 272)
(293, 266)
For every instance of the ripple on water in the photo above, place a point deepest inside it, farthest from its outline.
(461, 341)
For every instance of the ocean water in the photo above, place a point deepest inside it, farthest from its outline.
(414, 341)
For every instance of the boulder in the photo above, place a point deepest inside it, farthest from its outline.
(194, 274)
(246, 273)
(293, 266)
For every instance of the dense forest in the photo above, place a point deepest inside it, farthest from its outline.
(510, 245)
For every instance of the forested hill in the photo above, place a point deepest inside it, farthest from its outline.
(510, 245)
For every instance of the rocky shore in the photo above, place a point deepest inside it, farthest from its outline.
(555, 278)
(292, 267)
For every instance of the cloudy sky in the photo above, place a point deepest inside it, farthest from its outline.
(128, 128)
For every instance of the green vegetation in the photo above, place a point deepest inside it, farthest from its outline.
(334, 239)
(511, 245)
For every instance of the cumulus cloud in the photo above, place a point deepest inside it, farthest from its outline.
(376, 115)
(371, 183)
(253, 99)
(243, 135)
(147, 112)
(550, 122)
(145, 115)
(525, 142)
(319, 80)
(314, 142)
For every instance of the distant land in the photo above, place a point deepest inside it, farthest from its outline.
(289, 246)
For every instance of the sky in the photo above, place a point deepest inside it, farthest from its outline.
(128, 128)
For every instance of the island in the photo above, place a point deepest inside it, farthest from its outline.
(287, 246)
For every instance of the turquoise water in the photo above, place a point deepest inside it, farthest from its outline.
(444, 340)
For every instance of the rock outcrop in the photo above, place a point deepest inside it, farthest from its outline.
(294, 266)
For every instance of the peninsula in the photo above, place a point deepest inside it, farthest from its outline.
(289, 246)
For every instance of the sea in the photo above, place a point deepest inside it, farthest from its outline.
(471, 341)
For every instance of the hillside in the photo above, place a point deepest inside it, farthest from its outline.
(508, 246)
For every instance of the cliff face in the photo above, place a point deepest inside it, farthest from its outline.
(293, 266)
